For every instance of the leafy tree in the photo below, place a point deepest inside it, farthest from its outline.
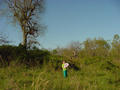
(116, 46)
(96, 47)
(89, 47)
(102, 47)
(116, 41)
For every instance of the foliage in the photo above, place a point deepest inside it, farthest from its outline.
(22, 56)
(96, 66)
(91, 77)
(116, 47)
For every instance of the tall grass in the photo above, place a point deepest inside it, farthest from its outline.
(96, 76)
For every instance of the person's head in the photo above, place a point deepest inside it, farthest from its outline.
(63, 61)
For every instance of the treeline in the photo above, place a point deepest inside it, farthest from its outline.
(34, 57)
(89, 51)
(92, 48)
(19, 55)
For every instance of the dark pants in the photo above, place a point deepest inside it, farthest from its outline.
(65, 73)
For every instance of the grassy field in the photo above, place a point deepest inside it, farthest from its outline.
(96, 76)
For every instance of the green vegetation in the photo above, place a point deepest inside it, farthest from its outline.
(94, 65)
(103, 75)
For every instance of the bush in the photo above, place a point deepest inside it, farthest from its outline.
(22, 56)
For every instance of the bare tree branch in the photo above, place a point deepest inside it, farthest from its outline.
(26, 12)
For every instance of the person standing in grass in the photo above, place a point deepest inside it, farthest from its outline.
(64, 66)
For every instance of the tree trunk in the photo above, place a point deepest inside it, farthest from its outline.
(24, 43)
